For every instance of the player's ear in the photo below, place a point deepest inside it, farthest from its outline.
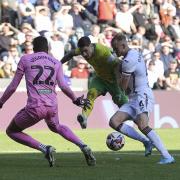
(124, 46)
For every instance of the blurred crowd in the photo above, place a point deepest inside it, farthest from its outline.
(150, 25)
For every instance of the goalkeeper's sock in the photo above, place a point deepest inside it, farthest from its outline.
(155, 139)
(24, 139)
(42, 148)
(69, 135)
(132, 133)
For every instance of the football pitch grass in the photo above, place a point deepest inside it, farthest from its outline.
(18, 162)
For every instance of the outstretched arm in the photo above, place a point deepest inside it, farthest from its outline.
(11, 88)
(80, 101)
(63, 85)
(68, 56)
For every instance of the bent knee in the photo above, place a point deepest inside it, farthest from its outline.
(53, 128)
(12, 128)
(8, 131)
(116, 120)
(141, 125)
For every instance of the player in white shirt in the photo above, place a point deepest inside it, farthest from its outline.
(134, 81)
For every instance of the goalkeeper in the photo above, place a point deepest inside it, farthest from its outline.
(104, 64)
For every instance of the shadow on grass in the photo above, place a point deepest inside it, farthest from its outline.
(122, 165)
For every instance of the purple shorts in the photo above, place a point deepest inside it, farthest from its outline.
(27, 117)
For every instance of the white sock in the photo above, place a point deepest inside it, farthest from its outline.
(132, 133)
(42, 147)
(152, 135)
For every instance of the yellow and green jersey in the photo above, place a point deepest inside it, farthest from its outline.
(103, 62)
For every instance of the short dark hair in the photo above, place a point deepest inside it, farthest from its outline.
(118, 37)
(40, 43)
(84, 41)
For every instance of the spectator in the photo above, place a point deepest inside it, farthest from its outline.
(141, 30)
(7, 70)
(147, 51)
(127, 26)
(139, 16)
(154, 29)
(166, 56)
(148, 8)
(90, 5)
(63, 21)
(28, 49)
(106, 12)
(29, 36)
(159, 67)
(5, 30)
(77, 18)
(73, 39)
(12, 58)
(169, 5)
(88, 18)
(160, 84)
(176, 50)
(95, 33)
(1, 69)
(173, 76)
(177, 3)
(56, 45)
(109, 33)
(80, 71)
(42, 15)
(175, 31)
(8, 14)
(26, 28)
(26, 12)
(178, 61)
(55, 5)
(152, 75)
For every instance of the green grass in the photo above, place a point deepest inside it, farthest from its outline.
(18, 162)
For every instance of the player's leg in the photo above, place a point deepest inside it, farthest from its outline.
(142, 122)
(96, 88)
(127, 113)
(67, 133)
(116, 122)
(118, 95)
(21, 121)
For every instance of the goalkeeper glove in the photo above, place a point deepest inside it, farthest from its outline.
(84, 103)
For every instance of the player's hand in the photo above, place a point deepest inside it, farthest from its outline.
(84, 103)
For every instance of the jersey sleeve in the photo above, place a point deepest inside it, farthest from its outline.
(63, 84)
(20, 66)
(128, 66)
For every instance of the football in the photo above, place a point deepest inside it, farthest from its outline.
(115, 141)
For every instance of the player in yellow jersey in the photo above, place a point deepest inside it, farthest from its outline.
(104, 64)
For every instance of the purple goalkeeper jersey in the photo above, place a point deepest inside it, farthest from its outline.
(42, 73)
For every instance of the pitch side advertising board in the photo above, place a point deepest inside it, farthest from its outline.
(165, 114)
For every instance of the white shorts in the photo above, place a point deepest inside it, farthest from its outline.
(139, 102)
